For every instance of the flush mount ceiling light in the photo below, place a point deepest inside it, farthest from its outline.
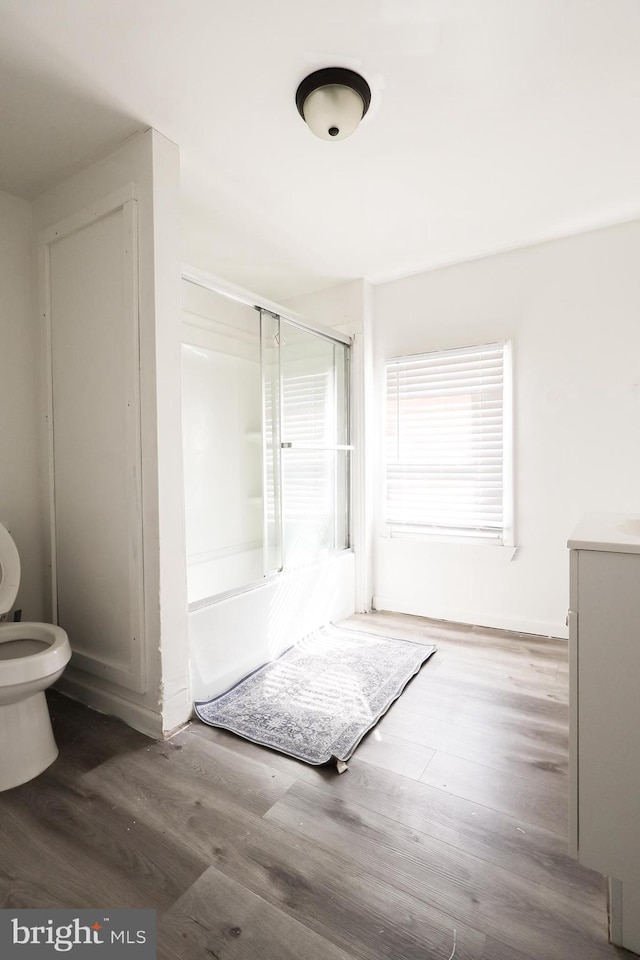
(333, 101)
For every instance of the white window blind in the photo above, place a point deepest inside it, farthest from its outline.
(445, 450)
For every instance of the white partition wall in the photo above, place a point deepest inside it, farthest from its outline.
(109, 284)
(97, 501)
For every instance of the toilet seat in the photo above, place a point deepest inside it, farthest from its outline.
(34, 666)
(9, 570)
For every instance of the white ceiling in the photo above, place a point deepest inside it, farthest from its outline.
(493, 124)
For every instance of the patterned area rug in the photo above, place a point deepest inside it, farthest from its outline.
(320, 697)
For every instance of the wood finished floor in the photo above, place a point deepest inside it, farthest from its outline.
(446, 837)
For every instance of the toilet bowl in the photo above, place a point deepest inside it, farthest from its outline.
(32, 657)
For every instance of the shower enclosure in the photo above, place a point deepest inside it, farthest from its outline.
(266, 463)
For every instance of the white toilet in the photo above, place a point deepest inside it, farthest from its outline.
(32, 657)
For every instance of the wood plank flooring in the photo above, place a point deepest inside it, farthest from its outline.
(445, 839)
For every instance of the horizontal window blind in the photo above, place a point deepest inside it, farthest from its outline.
(445, 441)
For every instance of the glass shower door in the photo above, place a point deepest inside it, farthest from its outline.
(222, 442)
(271, 432)
(265, 441)
(314, 444)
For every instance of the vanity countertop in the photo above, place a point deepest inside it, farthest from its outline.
(613, 532)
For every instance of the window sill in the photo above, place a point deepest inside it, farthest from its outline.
(456, 548)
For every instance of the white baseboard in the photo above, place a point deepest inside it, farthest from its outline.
(541, 628)
(176, 712)
(136, 715)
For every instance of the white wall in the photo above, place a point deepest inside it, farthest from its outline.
(572, 309)
(148, 167)
(342, 307)
(20, 491)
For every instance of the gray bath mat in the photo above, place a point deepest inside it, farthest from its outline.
(317, 700)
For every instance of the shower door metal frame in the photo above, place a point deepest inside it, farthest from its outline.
(275, 310)
(278, 444)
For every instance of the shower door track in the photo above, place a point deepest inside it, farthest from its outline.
(217, 285)
(262, 582)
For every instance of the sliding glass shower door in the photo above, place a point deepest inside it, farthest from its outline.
(266, 443)
(222, 442)
(306, 443)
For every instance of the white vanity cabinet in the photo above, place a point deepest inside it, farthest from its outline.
(604, 678)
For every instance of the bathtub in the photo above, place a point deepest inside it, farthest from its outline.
(232, 636)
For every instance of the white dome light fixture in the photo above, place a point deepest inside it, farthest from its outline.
(333, 101)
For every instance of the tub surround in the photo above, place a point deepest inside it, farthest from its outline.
(230, 638)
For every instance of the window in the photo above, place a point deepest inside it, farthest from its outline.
(448, 449)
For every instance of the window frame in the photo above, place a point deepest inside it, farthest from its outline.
(440, 534)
